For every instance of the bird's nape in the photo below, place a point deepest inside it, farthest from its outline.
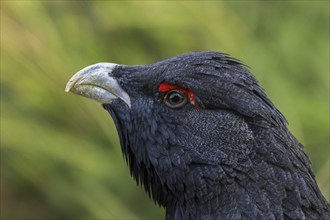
(201, 136)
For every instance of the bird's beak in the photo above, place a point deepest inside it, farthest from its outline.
(95, 82)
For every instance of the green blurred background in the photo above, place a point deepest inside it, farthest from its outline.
(60, 156)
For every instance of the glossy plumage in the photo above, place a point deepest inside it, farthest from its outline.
(230, 156)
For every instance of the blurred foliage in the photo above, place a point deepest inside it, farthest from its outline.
(60, 156)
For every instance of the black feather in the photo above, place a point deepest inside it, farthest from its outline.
(231, 158)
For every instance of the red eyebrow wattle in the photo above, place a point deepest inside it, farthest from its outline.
(165, 87)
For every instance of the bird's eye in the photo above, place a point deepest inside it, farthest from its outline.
(175, 99)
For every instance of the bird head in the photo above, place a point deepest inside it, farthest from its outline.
(187, 125)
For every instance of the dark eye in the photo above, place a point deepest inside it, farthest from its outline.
(175, 99)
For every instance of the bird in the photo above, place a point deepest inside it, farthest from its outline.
(202, 138)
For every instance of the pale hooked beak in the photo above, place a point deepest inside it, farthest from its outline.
(95, 82)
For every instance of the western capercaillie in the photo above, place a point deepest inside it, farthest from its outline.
(201, 136)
